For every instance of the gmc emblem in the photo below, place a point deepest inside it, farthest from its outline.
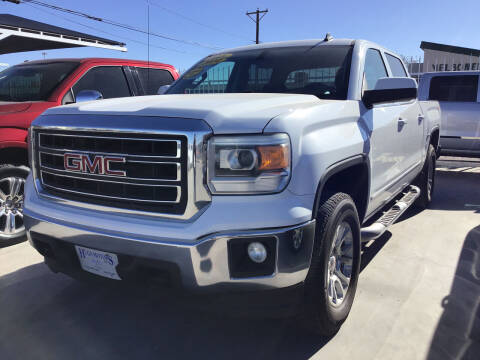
(99, 165)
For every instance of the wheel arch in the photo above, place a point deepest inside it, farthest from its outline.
(14, 156)
(333, 180)
(435, 138)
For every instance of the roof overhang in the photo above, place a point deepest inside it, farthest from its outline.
(425, 45)
(19, 34)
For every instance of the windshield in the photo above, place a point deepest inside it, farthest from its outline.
(33, 82)
(322, 71)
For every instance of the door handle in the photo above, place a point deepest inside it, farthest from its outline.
(420, 118)
(402, 122)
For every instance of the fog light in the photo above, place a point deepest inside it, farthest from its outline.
(257, 252)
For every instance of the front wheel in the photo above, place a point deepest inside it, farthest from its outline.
(12, 182)
(332, 279)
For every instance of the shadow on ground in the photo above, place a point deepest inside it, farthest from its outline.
(5, 243)
(458, 332)
(453, 192)
(73, 320)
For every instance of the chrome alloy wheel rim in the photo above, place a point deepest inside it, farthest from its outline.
(11, 207)
(340, 264)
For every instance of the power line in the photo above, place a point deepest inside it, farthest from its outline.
(106, 32)
(195, 21)
(257, 20)
(114, 23)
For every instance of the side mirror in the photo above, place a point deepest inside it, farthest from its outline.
(162, 89)
(88, 95)
(390, 90)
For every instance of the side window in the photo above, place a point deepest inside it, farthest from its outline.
(152, 79)
(454, 88)
(109, 80)
(396, 66)
(374, 69)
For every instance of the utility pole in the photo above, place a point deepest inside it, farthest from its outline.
(257, 20)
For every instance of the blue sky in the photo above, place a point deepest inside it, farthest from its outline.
(398, 25)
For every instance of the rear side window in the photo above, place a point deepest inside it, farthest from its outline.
(374, 69)
(110, 81)
(396, 66)
(454, 88)
(152, 79)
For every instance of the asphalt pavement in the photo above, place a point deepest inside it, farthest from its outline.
(418, 297)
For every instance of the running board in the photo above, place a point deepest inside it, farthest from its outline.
(377, 229)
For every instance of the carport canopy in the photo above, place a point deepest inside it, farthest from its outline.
(19, 34)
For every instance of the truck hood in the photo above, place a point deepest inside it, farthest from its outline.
(7, 107)
(225, 113)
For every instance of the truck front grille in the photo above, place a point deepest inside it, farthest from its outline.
(145, 172)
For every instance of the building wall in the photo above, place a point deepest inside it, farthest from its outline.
(435, 60)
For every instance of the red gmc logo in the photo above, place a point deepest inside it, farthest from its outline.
(99, 165)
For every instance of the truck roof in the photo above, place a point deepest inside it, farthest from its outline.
(310, 42)
(94, 60)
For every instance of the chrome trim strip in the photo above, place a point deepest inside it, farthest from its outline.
(178, 142)
(52, 150)
(179, 170)
(107, 181)
(177, 200)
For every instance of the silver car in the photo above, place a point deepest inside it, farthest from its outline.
(459, 97)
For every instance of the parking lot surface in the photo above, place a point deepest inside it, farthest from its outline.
(418, 297)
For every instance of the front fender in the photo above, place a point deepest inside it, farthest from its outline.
(13, 137)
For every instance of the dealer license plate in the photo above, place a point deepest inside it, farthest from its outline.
(98, 262)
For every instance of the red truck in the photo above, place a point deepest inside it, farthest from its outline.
(28, 89)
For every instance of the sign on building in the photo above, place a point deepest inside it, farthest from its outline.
(439, 57)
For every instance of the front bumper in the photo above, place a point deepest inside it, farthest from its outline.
(207, 264)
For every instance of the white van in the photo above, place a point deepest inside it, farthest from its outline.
(459, 97)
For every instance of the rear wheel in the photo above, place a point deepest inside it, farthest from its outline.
(332, 279)
(426, 179)
(12, 183)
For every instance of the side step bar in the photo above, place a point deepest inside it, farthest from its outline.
(377, 229)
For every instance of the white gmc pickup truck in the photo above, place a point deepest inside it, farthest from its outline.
(262, 167)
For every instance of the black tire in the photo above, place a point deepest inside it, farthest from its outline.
(426, 179)
(11, 171)
(319, 314)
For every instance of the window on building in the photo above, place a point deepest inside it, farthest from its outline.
(396, 66)
(110, 81)
(152, 79)
(374, 69)
(454, 88)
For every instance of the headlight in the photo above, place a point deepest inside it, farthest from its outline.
(254, 164)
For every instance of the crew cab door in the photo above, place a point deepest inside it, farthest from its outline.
(395, 139)
(411, 126)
